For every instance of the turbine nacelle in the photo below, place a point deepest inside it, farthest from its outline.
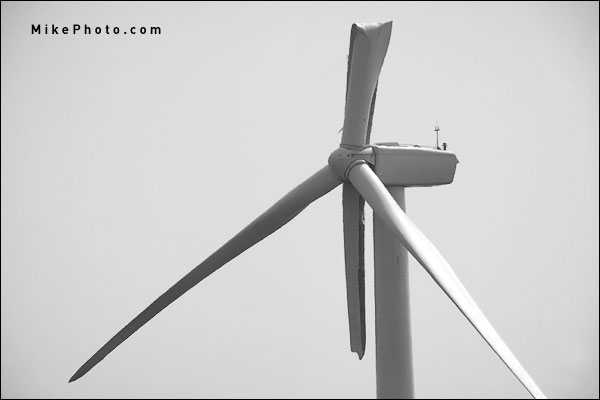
(398, 165)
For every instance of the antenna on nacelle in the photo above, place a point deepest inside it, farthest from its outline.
(437, 131)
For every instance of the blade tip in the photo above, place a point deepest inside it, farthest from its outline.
(77, 375)
(360, 353)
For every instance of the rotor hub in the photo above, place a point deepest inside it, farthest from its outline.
(344, 158)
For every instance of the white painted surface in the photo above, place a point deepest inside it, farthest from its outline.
(414, 166)
(375, 193)
(369, 48)
(392, 310)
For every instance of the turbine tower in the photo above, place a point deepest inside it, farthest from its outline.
(377, 173)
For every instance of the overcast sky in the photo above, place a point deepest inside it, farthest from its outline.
(128, 159)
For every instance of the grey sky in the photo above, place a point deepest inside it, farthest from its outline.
(126, 160)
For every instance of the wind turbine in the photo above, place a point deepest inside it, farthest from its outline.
(377, 173)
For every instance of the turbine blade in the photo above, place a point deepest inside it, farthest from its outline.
(271, 220)
(354, 251)
(368, 46)
(375, 193)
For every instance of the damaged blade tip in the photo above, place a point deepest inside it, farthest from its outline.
(359, 353)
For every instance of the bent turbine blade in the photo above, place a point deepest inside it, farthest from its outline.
(354, 254)
(274, 218)
(374, 192)
(368, 46)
